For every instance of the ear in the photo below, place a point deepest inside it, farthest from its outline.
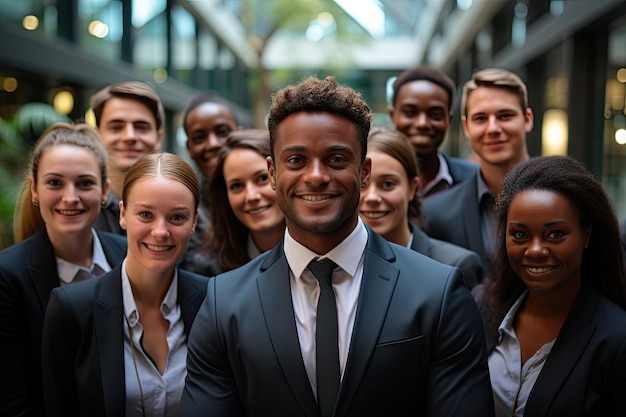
(464, 124)
(271, 170)
(33, 189)
(529, 120)
(414, 185)
(122, 216)
(195, 220)
(105, 189)
(159, 142)
(366, 172)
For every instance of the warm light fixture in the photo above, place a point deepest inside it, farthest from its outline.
(63, 102)
(554, 132)
(30, 22)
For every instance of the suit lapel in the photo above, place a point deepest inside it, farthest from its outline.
(471, 217)
(190, 296)
(275, 296)
(108, 319)
(43, 270)
(569, 346)
(377, 286)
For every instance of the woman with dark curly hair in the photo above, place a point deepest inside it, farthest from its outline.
(554, 305)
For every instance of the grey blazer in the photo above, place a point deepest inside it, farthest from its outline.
(417, 346)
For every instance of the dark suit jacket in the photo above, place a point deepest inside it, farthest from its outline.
(460, 169)
(83, 344)
(28, 273)
(467, 261)
(453, 215)
(417, 345)
(585, 373)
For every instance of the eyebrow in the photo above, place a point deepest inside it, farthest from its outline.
(549, 224)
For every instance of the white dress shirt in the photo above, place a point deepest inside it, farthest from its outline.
(511, 381)
(348, 255)
(160, 394)
(68, 271)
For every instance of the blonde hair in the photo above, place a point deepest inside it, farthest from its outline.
(26, 215)
(496, 78)
(166, 165)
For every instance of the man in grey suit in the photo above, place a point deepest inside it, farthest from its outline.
(400, 335)
(495, 117)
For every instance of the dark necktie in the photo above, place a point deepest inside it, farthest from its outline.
(326, 338)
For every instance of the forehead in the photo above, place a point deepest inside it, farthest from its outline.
(315, 130)
(124, 108)
(422, 89)
(493, 98)
(211, 110)
(539, 206)
(152, 189)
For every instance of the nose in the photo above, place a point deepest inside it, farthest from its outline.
(252, 193)
(370, 195)
(214, 142)
(492, 124)
(536, 248)
(421, 120)
(316, 173)
(70, 195)
(129, 132)
(160, 229)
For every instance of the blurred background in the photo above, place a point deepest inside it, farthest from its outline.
(54, 54)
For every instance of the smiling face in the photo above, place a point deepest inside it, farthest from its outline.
(207, 127)
(250, 194)
(544, 240)
(69, 190)
(317, 174)
(421, 113)
(129, 131)
(385, 201)
(157, 228)
(496, 126)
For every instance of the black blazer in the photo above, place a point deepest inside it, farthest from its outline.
(28, 273)
(466, 260)
(453, 215)
(83, 344)
(585, 373)
(417, 346)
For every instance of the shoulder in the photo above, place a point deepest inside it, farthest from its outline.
(192, 280)
(450, 253)
(9, 255)
(460, 169)
(109, 238)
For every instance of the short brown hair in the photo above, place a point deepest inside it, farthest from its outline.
(497, 78)
(135, 90)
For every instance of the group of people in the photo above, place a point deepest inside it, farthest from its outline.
(321, 266)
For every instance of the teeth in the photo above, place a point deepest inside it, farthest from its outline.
(70, 212)
(315, 197)
(536, 270)
(158, 248)
(374, 214)
(258, 210)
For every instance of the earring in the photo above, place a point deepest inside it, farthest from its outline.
(35, 202)
(104, 203)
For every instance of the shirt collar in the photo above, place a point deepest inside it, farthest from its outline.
(507, 325)
(67, 270)
(482, 189)
(442, 175)
(130, 307)
(346, 254)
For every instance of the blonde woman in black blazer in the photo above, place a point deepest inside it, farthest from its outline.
(110, 344)
(58, 205)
